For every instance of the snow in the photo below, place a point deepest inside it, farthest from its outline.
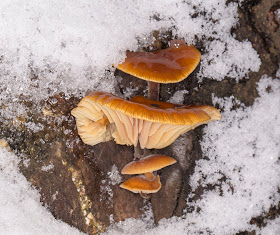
(178, 97)
(21, 210)
(114, 175)
(241, 163)
(48, 168)
(47, 47)
(57, 46)
(272, 228)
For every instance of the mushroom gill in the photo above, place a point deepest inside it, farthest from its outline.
(153, 124)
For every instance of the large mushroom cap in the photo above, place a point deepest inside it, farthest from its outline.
(138, 184)
(154, 124)
(150, 110)
(169, 65)
(148, 164)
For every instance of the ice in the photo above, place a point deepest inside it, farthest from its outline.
(21, 209)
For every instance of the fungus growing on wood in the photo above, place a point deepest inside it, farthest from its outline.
(102, 116)
(93, 126)
(139, 184)
(147, 165)
(169, 65)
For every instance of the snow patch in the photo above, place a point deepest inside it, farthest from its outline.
(21, 209)
(242, 167)
(114, 175)
(178, 97)
(50, 47)
(48, 167)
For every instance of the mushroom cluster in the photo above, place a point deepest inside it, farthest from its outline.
(148, 123)
(101, 117)
(149, 182)
(169, 65)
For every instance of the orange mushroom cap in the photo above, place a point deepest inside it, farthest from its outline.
(148, 164)
(138, 184)
(149, 110)
(154, 124)
(169, 65)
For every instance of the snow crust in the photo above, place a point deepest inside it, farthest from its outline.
(241, 165)
(21, 211)
(48, 46)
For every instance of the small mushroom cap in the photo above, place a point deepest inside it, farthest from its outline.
(169, 65)
(139, 184)
(148, 164)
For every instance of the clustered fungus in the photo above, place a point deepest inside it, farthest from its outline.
(169, 65)
(148, 165)
(147, 183)
(101, 117)
(148, 123)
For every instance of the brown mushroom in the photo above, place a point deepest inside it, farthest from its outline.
(169, 65)
(139, 184)
(154, 124)
(147, 165)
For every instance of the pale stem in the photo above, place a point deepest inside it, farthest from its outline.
(138, 152)
(145, 195)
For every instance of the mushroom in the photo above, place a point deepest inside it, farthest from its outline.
(147, 165)
(169, 65)
(139, 184)
(102, 116)
(93, 126)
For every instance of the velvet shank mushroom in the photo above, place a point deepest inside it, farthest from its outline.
(139, 184)
(101, 116)
(169, 65)
(147, 165)
(93, 126)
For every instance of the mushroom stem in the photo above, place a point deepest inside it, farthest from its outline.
(145, 195)
(138, 152)
(153, 90)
